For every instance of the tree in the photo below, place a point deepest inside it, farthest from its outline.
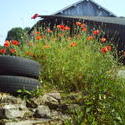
(17, 33)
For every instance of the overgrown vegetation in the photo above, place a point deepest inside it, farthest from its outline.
(83, 63)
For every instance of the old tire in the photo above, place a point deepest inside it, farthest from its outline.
(18, 66)
(13, 83)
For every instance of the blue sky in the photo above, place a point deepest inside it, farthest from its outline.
(17, 13)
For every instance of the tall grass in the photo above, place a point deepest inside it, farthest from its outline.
(79, 63)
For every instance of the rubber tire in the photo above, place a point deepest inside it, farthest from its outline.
(13, 83)
(19, 66)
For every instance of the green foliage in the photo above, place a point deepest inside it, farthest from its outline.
(79, 64)
(25, 94)
(99, 107)
(71, 67)
(17, 34)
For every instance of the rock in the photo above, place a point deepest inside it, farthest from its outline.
(11, 111)
(53, 98)
(42, 111)
(8, 99)
(49, 99)
(36, 122)
(55, 95)
(121, 74)
(58, 115)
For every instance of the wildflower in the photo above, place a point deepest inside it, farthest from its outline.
(89, 37)
(96, 32)
(3, 51)
(66, 28)
(35, 16)
(49, 30)
(60, 26)
(73, 44)
(7, 43)
(46, 46)
(38, 37)
(15, 42)
(29, 53)
(83, 25)
(37, 32)
(109, 48)
(78, 23)
(12, 50)
(103, 40)
(106, 49)
(84, 29)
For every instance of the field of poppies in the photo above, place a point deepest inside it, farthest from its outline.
(82, 63)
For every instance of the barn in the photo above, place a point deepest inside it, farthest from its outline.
(85, 8)
(91, 13)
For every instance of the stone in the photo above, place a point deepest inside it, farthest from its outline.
(11, 111)
(8, 99)
(36, 122)
(53, 98)
(58, 115)
(55, 95)
(42, 111)
(121, 74)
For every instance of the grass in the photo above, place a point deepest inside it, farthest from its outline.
(80, 64)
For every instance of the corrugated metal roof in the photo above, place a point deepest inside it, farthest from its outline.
(79, 2)
(113, 20)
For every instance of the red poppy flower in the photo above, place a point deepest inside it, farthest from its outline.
(35, 16)
(38, 37)
(66, 28)
(73, 44)
(3, 51)
(61, 27)
(29, 53)
(37, 32)
(15, 42)
(106, 49)
(96, 32)
(84, 29)
(7, 43)
(103, 40)
(109, 48)
(12, 50)
(89, 37)
(83, 25)
(78, 23)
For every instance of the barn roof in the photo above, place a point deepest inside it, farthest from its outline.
(112, 20)
(74, 5)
